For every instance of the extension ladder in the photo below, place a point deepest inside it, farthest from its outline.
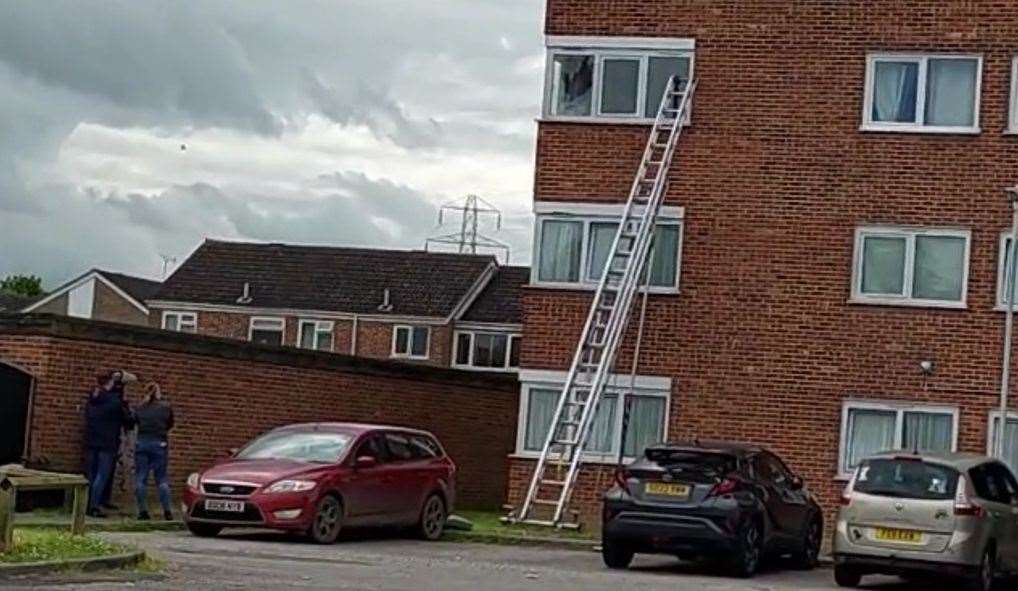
(549, 489)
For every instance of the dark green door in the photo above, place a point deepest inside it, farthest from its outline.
(15, 388)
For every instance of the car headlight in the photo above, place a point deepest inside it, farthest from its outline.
(291, 486)
(193, 479)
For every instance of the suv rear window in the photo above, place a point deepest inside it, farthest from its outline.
(906, 479)
(709, 463)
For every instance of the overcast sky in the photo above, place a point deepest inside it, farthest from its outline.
(337, 122)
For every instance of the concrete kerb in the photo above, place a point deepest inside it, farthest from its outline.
(86, 564)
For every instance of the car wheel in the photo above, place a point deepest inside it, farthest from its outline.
(328, 521)
(805, 557)
(846, 576)
(204, 530)
(748, 551)
(985, 579)
(616, 555)
(432, 520)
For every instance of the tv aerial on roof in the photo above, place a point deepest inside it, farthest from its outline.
(468, 239)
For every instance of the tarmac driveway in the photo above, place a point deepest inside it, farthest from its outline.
(274, 562)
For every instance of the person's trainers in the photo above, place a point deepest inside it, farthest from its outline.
(168, 515)
(143, 516)
(97, 513)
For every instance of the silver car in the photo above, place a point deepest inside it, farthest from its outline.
(916, 515)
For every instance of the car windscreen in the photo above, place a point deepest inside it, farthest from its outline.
(315, 447)
(906, 479)
(705, 462)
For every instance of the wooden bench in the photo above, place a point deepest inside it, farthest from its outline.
(14, 478)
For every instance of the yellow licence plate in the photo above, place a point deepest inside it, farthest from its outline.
(907, 536)
(667, 489)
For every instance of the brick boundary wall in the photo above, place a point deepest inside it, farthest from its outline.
(225, 392)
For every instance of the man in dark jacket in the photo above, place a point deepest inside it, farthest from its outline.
(105, 417)
(151, 453)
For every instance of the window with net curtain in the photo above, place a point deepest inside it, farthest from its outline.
(872, 430)
(949, 86)
(937, 272)
(663, 259)
(1010, 454)
(561, 242)
(646, 422)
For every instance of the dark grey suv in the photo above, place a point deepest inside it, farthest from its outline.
(713, 499)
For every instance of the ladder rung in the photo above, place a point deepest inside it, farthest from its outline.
(569, 442)
(545, 502)
(554, 482)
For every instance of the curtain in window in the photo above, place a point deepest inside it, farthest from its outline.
(1004, 279)
(646, 424)
(1010, 441)
(894, 91)
(307, 336)
(324, 340)
(603, 432)
(883, 265)
(659, 71)
(869, 432)
(928, 431)
(602, 234)
(575, 77)
(419, 341)
(951, 92)
(665, 258)
(540, 413)
(620, 86)
(560, 251)
(939, 267)
(171, 322)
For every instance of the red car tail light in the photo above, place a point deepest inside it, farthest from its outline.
(622, 480)
(963, 504)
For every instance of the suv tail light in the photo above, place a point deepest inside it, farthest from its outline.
(724, 487)
(963, 504)
(846, 495)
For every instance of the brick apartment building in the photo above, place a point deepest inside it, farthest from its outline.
(835, 216)
(440, 309)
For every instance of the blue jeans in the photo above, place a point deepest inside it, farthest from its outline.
(99, 465)
(151, 455)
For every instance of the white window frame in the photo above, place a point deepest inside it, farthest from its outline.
(922, 59)
(274, 319)
(512, 336)
(900, 408)
(409, 352)
(1002, 272)
(909, 234)
(600, 52)
(1012, 119)
(320, 326)
(191, 320)
(609, 457)
(994, 415)
(587, 221)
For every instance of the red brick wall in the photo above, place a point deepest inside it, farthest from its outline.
(224, 394)
(775, 175)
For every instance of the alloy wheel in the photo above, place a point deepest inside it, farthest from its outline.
(751, 539)
(433, 518)
(327, 520)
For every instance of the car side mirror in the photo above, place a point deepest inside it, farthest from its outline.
(365, 462)
(796, 483)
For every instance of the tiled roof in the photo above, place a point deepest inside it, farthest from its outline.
(138, 288)
(324, 278)
(500, 299)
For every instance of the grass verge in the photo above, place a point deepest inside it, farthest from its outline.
(488, 527)
(46, 544)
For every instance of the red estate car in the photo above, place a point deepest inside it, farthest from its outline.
(317, 478)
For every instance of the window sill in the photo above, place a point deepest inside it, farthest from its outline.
(593, 287)
(1010, 131)
(932, 130)
(486, 369)
(600, 120)
(408, 358)
(908, 303)
(600, 459)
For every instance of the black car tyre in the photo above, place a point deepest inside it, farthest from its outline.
(806, 556)
(846, 576)
(986, 577)
(432, 521)
(616, 555)
(328, 520)
(204, 530)
(748, 550)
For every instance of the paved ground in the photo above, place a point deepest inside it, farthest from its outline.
(274, 562)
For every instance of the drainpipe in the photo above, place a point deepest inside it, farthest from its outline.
(353, 336)
(1005, 371)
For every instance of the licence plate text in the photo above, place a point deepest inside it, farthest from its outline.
(907, 536)
(667, 489)
(220, 505)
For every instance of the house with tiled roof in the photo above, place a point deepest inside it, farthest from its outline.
(433, 308)
(98, 294)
